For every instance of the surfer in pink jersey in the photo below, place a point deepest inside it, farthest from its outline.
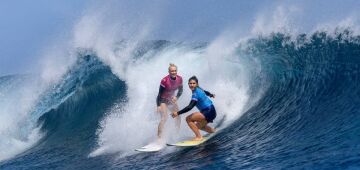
(166, 98)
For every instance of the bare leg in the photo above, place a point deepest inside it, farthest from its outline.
(209, 129)
(178, 118)
(203, 126)
(200, 119)
(163, 112)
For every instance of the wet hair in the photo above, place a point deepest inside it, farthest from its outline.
(195, 79)
(172, 65)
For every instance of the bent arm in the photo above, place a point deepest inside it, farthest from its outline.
(187, 108)
(180, 91)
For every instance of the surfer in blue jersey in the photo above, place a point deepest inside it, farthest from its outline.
(199, 120)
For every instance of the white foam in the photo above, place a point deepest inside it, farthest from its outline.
(351, 22)
(281, 19)
(18, 130)
(124, 130)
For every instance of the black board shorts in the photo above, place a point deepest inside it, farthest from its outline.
(209, 113)
(166, 101)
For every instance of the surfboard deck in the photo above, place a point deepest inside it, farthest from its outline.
(154, 147)
(188, 143)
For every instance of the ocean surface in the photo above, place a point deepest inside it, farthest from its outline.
(289, 102)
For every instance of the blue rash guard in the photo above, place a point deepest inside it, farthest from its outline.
(203, 101)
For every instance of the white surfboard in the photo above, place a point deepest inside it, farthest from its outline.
(152, 147)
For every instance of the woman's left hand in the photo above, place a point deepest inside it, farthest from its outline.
(174, 114)
(174, 99)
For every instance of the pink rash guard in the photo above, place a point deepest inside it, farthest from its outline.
(170, 86)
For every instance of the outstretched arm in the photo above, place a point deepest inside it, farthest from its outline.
(209, 94)
(187, 108)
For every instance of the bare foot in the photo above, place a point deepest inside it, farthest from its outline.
(197, 139)
(160, 141)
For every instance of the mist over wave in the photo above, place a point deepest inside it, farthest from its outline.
(18, 130)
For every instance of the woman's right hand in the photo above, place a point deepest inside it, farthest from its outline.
(174, 114)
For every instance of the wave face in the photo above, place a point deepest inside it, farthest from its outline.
(302, 108)
(308, 116)
(69, 113)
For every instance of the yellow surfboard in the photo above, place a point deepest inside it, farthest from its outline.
(196, 143)
(205, 138)
(189, 142)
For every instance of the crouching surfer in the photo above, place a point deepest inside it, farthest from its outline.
(199, 120)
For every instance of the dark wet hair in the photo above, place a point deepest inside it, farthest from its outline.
(194, 78)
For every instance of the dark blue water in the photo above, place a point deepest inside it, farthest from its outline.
(308, 117)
